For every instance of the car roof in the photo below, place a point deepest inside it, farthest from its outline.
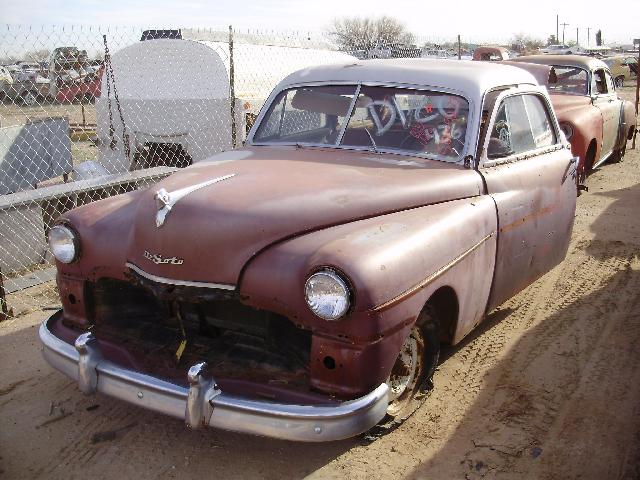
(581, 61)
(468, 77)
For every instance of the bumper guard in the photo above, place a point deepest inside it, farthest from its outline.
(203, 403)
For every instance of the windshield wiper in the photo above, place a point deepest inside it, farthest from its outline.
(375, 147)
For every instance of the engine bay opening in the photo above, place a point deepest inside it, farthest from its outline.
(147, 323)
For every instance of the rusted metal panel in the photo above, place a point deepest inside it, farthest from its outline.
(234, 219)
(535, 199)
(384, 258)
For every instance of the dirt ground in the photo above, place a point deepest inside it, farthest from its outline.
(546, 388)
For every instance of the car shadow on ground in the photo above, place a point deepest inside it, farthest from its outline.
(562, 402)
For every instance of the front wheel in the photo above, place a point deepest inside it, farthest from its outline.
(412, 373)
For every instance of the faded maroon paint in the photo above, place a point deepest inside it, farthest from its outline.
(400, 229)
(402, 249)
(586, 122)
(276, 193)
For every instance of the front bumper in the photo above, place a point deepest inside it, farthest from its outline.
(203, 403)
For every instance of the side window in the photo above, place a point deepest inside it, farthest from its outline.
(522, 124)
(598, 83)
(543, 133)
(610, 85)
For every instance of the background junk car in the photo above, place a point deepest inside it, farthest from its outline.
(378, 209)
(594, 119)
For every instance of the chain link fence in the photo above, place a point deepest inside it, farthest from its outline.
(89, 112)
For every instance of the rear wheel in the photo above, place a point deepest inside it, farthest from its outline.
(618, 155)
(589, 159)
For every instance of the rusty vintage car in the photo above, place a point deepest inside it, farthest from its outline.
(593, 118)
(300, 287)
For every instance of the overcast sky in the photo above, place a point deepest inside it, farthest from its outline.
(475, 20)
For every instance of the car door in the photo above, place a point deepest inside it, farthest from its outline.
(531, 175)
(606, 100)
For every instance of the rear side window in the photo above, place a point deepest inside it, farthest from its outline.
(599, 83)
(522, 125)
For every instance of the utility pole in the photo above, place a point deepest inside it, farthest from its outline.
(557, 28)
(577, 37)
(588, 36)
(563, 27)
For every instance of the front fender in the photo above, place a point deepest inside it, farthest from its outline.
(389, 260)
(394, 263)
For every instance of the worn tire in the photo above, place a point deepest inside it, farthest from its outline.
(423, 342)
(618, 155)
(589, 161)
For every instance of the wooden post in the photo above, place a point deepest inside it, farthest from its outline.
(459, 48)
(232, 91)
(635, 134)
(5, 313)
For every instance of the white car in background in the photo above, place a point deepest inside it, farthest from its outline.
(561, 49)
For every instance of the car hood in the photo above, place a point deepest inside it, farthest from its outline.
(266, 194)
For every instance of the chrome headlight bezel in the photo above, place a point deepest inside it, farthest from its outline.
(61, 238)
(325, 310)
(567, 129)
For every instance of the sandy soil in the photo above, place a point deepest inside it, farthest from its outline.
(546, 388)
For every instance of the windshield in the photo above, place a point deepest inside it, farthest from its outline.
(572, 80)
(387, 119)
(312, 115)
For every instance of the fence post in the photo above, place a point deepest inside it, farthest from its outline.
(635, 134)
(5, 313)
(232, 91)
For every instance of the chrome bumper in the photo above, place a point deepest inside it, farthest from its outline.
(203, 403)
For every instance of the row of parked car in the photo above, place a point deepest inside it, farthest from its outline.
(29, 84)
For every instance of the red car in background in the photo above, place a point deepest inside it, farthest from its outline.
(83, 88)
(594, 119)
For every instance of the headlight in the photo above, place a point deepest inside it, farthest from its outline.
(64, 244)
(327, 295)
(567, 130)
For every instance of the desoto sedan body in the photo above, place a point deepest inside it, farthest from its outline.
(300, 287)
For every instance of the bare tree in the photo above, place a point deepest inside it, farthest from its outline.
(368, 33)
(522, 43)
(37, 55)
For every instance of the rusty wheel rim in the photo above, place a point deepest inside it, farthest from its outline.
(406, 372)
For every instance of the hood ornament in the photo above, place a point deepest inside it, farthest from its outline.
(166, 200)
